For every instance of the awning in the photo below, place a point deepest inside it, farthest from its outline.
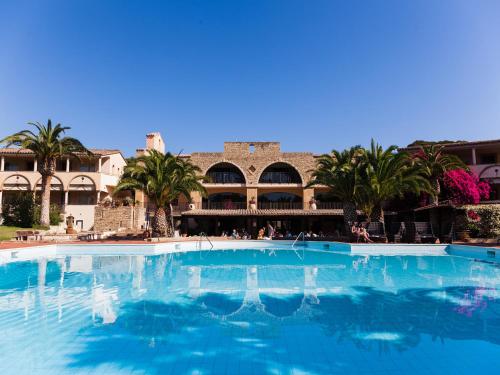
(263, 212)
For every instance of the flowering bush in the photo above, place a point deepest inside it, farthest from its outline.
(463, 187)
(484, 220)
(473, 216)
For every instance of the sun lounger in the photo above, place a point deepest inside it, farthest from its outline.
(424, 232)
(396, 232)
(376, 231)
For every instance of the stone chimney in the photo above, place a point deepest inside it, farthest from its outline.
(154, 141)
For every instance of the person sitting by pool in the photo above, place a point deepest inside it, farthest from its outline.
(360, 232)
(235, 235)
(260, 236)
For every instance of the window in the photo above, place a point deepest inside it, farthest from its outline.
(488, 159)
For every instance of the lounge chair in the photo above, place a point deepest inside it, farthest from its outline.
(376, 231)
(448, 235)
(424, 232)
(396, 232)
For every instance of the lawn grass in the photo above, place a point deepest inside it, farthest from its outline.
(6, 233)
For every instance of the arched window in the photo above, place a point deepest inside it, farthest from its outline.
(225, 173)
(280, 173)
(280, 200)
(16, 182)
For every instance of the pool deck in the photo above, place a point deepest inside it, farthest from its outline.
(10, 245)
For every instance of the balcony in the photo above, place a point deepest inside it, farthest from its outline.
(280, 205)
(329, 205)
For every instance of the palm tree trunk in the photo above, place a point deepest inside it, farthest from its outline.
(349, 210)
(377, 214)
(159, 224)
(170, 226)
(45, 204)
(437, 190)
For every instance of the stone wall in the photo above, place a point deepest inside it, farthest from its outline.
(111, 219)
(253, 163)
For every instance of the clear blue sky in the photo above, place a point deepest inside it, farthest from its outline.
(314, 75)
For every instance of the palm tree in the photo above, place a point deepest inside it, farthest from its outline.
(48, 145)
(386, 174)
(432, 159)
(338, 171)
(163, 178)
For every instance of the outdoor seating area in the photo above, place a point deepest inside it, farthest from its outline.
(28, 235)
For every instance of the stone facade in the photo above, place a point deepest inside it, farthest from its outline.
(253, 163)
(112, 219)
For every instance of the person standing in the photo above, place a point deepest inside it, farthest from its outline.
(270, 230)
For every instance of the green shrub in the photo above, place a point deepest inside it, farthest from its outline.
(19, 210)
(23, 211)
(54, 214)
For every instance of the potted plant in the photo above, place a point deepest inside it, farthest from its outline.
(312, 204)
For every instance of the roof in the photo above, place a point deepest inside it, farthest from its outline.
(459, 145)
(95, 151)
(263, 212)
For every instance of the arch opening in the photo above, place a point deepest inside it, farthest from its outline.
(280, 173)
(225, 173)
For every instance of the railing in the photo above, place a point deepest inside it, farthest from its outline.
(224, 205)
(281, 205)
(203, 235)
(329, 205)
(225, 178)
(277, 178)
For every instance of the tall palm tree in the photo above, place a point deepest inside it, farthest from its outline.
(338, 171)
(386, 174)
(163, 178)
(48, 144)
(436, 163)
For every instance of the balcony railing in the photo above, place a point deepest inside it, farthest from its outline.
(329, 205)
(225, 178)
(280, 205)
(224, 205)
(277, 178)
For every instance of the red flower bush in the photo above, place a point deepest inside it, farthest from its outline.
(473, 216)
(464, 187)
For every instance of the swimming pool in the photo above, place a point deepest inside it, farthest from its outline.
(324, 308)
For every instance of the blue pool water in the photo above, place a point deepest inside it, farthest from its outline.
(249, 312)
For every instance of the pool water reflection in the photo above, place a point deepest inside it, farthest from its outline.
(249, 312)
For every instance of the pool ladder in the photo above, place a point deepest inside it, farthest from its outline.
(204, 235)
(294, 242)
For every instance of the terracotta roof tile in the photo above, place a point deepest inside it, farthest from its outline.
(96, 151)
(263, 212)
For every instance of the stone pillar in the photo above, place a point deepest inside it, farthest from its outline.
(307, 195)
(196, 199)
(99, 165)
(67, 165)
(252, 193)
(35, 166)
(2, 164)
(474, 161)
(1, 200)
(66, 197)
(98, 196)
